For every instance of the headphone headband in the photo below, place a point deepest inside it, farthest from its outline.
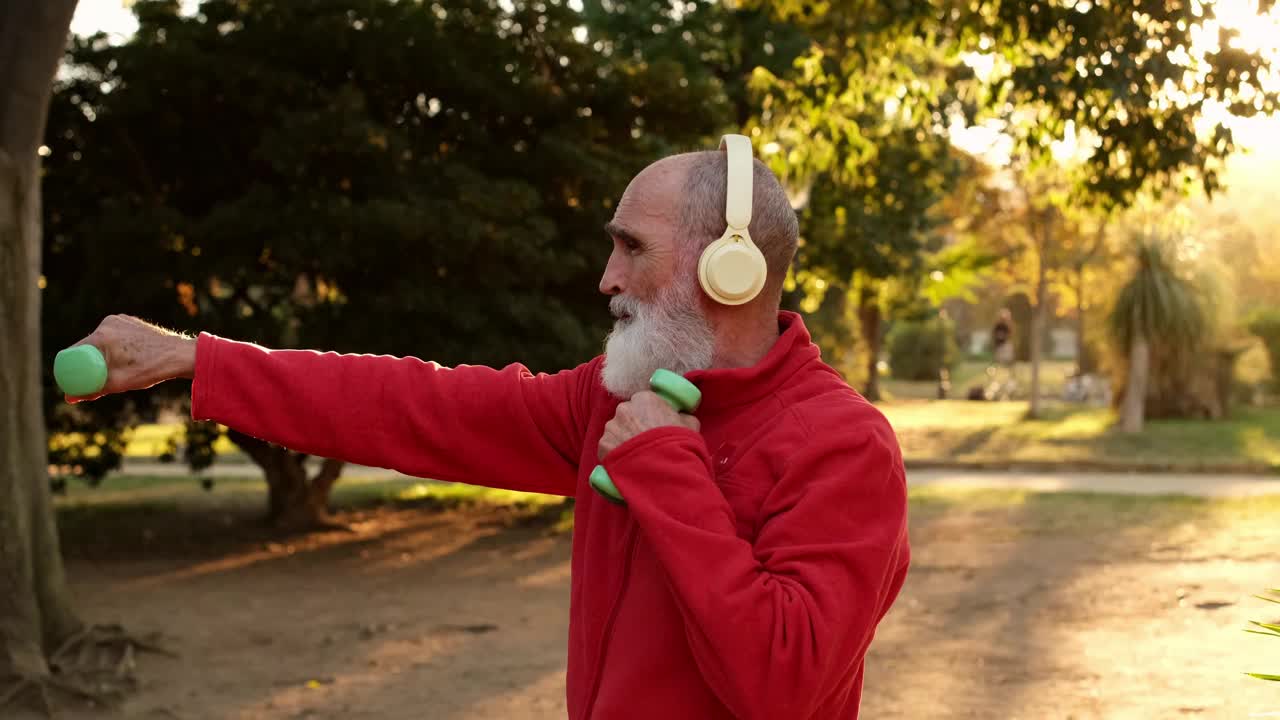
(738, 190)
(732, 270)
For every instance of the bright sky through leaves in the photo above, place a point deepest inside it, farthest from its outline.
(1256, 33)
(1261, 134)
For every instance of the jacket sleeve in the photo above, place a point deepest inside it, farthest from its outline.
(503, 428)
(777, 625)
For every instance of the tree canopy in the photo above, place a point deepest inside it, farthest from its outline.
(431, 179)
(375, 177)
(1145, 83)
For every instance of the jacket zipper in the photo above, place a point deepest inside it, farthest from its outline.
(631, 543)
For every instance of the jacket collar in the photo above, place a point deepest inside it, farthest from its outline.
(728, 387)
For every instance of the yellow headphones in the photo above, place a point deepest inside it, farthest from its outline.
(732, 270)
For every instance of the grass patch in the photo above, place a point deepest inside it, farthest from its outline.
(460, 492)
(355, 491)
(984, 432)
(126, 489)
(1087, 504)
(1092, 514)
(139, 516)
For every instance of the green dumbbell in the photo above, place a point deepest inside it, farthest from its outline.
(682, 396)
(80, 370)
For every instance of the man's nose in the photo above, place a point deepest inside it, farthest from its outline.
(613, 281)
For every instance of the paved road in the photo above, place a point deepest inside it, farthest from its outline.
(1200, 484)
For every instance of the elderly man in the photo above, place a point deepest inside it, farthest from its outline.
(761, 539)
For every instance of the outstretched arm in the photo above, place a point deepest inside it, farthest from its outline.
(504, 428)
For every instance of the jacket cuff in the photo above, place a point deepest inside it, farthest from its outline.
(663, 461)
(649, 439)
(203, 379)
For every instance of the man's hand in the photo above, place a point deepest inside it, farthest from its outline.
(139, 354)
(644, 411)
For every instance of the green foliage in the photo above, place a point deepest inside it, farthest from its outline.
(955, 271)
(77, 451)
(879, 222)
(361, 176)
(710, 44)
(200, 436)
(1268, 629)
(920, 349)
(1266, 325)
(834, 327)
(1040, 69)
(1248, 441)
(877, 230)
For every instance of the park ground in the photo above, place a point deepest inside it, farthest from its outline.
(445, 602)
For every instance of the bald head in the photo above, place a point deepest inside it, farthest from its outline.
(774, 228)
(675, 208)
(668, 215)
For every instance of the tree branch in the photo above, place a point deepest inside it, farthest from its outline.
(260, 451)
(327, 476)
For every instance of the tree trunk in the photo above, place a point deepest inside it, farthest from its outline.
(1037, 331)
(869, 325)
(1135, 389)
(35, 609)
(295, 500)
(1084, 363)
(1223, 381)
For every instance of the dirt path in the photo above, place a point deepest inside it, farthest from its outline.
(1032, 610)
(457, 615)
(1051, 610)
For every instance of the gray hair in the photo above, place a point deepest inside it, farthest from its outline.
(774, 227)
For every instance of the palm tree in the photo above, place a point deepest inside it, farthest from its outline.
(1268, 629)
(1158, 310)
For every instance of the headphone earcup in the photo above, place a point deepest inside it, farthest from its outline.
(732, 270)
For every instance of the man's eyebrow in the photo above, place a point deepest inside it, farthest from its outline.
(620, 232)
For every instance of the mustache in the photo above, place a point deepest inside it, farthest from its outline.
(621, 305)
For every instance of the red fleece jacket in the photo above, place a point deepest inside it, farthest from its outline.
(748, 571)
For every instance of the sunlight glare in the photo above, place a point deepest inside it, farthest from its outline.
(113, 17)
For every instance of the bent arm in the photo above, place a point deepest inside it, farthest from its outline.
(776, 625)
(503, 428)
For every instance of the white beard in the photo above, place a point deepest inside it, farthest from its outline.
(670, 333)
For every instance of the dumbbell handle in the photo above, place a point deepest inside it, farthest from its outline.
(80, 371)
(680, 394)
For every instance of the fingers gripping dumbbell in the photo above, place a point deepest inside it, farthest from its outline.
(680, 394)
